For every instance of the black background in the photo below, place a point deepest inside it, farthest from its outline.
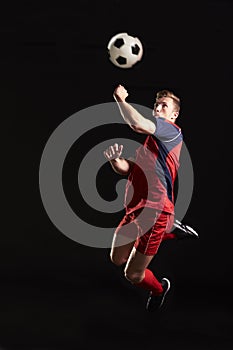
(56, 293)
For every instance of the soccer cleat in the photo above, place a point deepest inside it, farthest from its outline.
(155, 302)
(184, 231)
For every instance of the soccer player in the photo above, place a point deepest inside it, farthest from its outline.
(149, 196)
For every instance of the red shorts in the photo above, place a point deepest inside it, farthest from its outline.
(146, 227)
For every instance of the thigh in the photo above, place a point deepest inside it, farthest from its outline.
(137, 262)
(124, 239)
(148, 243)
(120, 253)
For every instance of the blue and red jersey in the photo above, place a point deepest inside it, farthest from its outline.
(151, 180)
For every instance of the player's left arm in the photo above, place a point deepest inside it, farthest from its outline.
(131, 116)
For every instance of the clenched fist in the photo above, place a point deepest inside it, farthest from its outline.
(120, 93)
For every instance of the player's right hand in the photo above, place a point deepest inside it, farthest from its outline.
(120, 93)
(113, 152)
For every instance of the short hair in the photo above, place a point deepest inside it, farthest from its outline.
(168, 93)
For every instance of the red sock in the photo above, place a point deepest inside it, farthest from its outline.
(151, 283)
(168, 236)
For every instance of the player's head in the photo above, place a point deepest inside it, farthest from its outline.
(167, 105)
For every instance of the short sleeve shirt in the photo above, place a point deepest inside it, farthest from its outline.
(151, 181)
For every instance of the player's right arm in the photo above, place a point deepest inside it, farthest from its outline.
(120, 165)
(131, 116)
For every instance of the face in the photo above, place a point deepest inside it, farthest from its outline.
(164, 107)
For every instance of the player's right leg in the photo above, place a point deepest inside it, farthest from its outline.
(120, 253)
(123, 240)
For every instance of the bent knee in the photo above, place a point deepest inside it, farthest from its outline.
(117, 260)
(134, 277)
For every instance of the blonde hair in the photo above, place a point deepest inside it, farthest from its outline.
(167, 93)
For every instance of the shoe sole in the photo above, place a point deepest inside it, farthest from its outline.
(185, 228)
(168, 287)
(192, 231)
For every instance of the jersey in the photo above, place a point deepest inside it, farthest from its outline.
(152, 177)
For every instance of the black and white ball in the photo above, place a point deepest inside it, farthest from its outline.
(125, 50)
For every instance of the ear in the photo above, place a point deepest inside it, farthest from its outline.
(175, 114)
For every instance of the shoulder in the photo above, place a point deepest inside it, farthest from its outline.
(166, 130)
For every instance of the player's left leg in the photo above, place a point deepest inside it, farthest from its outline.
(179, 231)
(169, 234)
(183, 230)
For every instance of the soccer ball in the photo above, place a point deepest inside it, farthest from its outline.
(125, 50)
